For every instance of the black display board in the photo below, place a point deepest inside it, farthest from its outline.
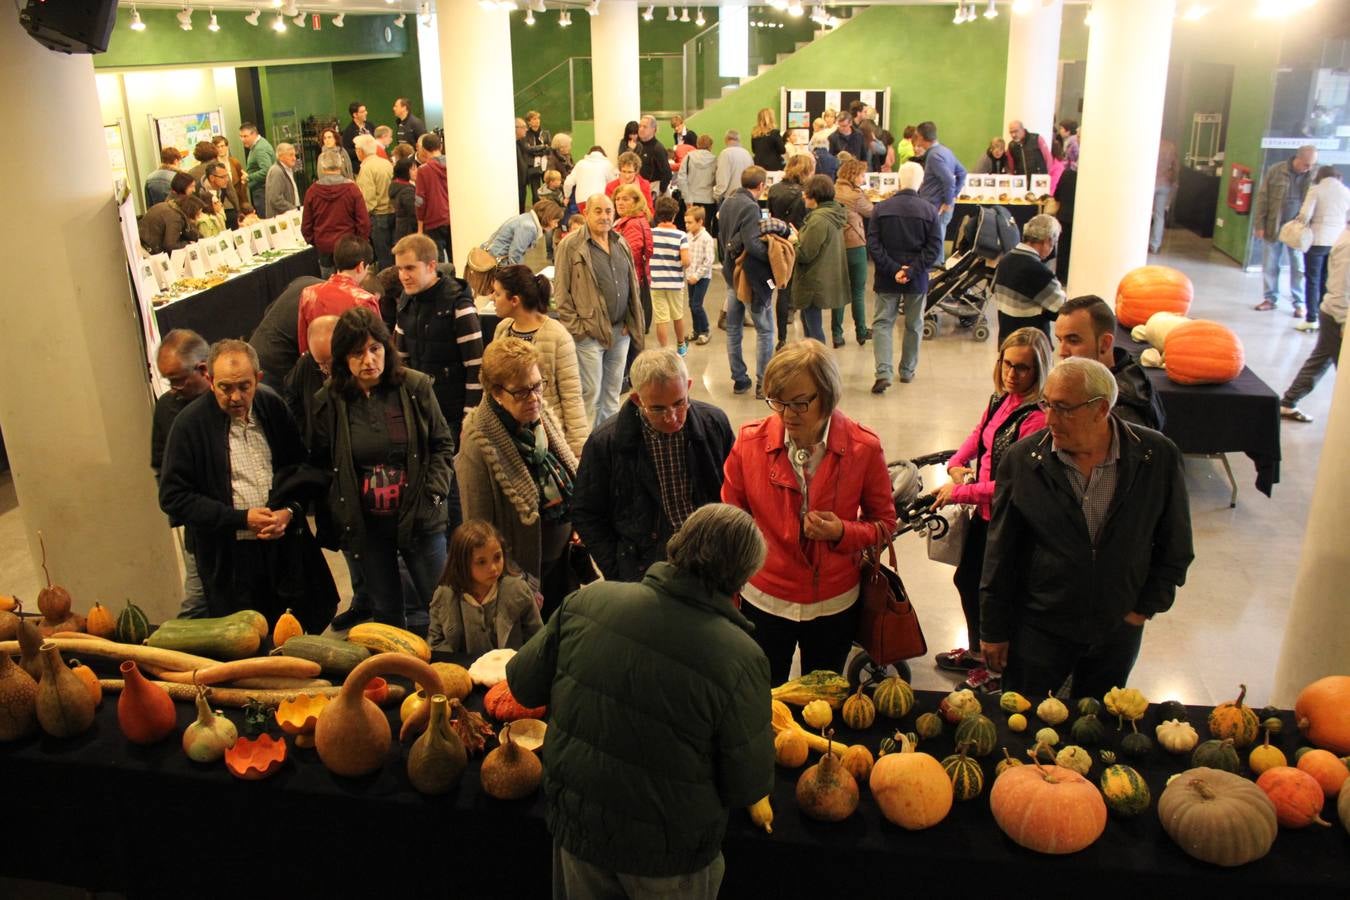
(791, 116)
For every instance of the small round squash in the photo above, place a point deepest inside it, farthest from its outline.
(790, 749)
(1125, 791)
(911, 789)
(1216, 755)
(979, 732)
(1052, 711)
(1265, 756)
(1017, 723)
(859, 712)
(1074, 757)
(893, 697)
(1177, 736)
(817, 714)
(858, 761)
(1327, 768)
(966, 775)
(1297, 796)
(1233, 720)
(928, 725)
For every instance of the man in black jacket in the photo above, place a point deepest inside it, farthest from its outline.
(235, 475)
(738, 220)
(1086, 327)
(357, 126)
(410, 128)
(1028, 154)
(648, 467)
(1090, 538)
(655, 158)
(277, 338)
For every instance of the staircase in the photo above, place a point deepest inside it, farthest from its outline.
(764, 68)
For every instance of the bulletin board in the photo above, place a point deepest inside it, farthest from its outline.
(185, 131)
(118, 157)
(799, 107)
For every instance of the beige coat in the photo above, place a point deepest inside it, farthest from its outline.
(581, 307)
(855, 202)
(558, 365)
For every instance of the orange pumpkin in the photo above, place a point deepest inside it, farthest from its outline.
(287, 627)
(1203, 352)
(1327, 768)
(1152, 289)
(1049, 809)
(1297, 796)
(100, 622)
(1322, 712)
(90, 681)
(912, 789)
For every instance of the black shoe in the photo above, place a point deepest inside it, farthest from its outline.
(862, 337)
(779, 346)
(345, 620)
(740, 388)
(879, 386)
(839, 342)
(759, 392)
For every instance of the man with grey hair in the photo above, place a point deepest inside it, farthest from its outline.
(1026, 291)
(281, 193)
(334, 208)
(655, 158)
(1090, 537)
(731, 162)
(373, 178)
(242, 499)
(670, 655)
(648, 467)
(905, 241)
(1278, 199)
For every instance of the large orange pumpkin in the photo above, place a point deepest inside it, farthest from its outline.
(1152, 289)
(1049, 809)
(911, 788)
(1322, 712)
(1203, 352)
(1327, 768)
(1297, 796)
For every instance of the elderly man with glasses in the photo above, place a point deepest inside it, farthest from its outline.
(1090, 538)
(648, 467)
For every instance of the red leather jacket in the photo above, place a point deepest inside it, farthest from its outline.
(851, 481)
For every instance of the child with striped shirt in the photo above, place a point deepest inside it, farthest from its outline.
(670, 257)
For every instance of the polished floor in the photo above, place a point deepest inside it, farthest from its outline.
(1238, 590)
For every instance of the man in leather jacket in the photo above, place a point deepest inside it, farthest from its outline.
(1086, 327)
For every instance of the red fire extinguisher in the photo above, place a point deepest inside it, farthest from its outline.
(1240, 189)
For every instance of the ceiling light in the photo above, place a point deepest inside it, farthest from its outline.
(795, 8)
(671, 15)
(339, 20)
(991, 11)
(684, 14)
(184, 18)
(593, 8)
(213, 25)
(1021, 7)
(279, 25)
(1195, 12)
(402, 17)
(136, 23)
(299, 20)
(276, 4)
(699, 20)
(252, 18)
(649, 13)
(529, 17)
(291, 10)
(564, 19)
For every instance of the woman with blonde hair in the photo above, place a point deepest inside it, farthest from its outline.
(633, 220)
(766, 142)
(1023, 364)
(848, 193)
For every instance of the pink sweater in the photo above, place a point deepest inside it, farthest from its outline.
(981, 490)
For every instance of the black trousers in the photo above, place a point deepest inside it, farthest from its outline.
(783, 311)
(967, 578)
(824, 641)
(1039, 662)
(1008, 324)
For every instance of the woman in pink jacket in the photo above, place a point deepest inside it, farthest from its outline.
(816, 483)
(1024, 362)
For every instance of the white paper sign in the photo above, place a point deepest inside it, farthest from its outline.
(280, 234)
(210, 254)
(162, 269)
(257, 238)
(890, 182)
(177, 265)
(832, 100)
(873, 181)
(1018, 186)
(225, 246)
(145, 272)
(796, 101)
(194, 263)
(242, 248)
(868, 98)
(1040, 185)
(772, 178)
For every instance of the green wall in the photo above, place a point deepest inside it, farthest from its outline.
(307, 89)
(378, 83)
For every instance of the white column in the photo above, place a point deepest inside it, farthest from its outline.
(1033, 68)
(1317, 633)
(74, 400)
(479, 97)
(1126, 80)
(614, 70)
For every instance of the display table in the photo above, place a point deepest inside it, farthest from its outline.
(1021, 213)
(1242, 416)
(146, 821)
(234, 309)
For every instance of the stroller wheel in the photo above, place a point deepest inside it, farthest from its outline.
(861, 670)
(981, 332)
(930, 328)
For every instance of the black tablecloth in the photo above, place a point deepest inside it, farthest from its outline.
(148, 822)
(234, 309)
(1240, 416)
(1021, 213)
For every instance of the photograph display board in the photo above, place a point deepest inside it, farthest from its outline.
(799, 107)
(184, 131)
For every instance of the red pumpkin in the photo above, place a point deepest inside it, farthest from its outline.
(1203, 352)
(1049, 809)
(1322, 712)
(1326, 768)
(1297, 796)
(1152, 289)
(502, 706)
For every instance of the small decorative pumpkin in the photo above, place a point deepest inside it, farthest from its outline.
(1233, 720)
(1125, 704)
(826, 791)
(859, 712)
(287, 627)
(858, 760)
(1007, 762)
(1088, 730)
(1218, 817)
(790, 748)
(456, 682)
(928, 725)
(502, 706)
(1297, 796)
(1173, 710)
(1273, 725)
(959, 704)
(1089, 706)
(979, 732)
(817, 714)
(1177, 736)
(207, 739)
(1052, 711)
(1152, 289)
(893, 697)
(1013, 702)
(1268, 712)
(88, 678)
(1074, 757)
(54, 603)
(1017, 723)
(1203, 352)
(132, 625)
(1264, 756)
(1107, 757)
(966, 775)
(99, 622)
(1136, 743)
(1048, 809)
(911, 788)
(1216, 755)
(1047, 736)
(1324, 766)
(1322, 712)
(895, 742)
(1125, 791)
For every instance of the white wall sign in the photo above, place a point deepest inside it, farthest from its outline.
(1274, 143)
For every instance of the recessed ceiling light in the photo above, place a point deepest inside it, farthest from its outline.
(279, 25)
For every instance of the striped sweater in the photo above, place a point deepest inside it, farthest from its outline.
(667, 273)
(1024, 286)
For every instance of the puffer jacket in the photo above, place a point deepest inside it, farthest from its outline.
(582, 309)
(821, 277)
(562, 391)
(403, 197)
(760, 480)
(859, 209)
(659, 721)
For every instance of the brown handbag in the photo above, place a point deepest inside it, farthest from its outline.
(888, 629)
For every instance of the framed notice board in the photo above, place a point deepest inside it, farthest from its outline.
(184, 131)
(799, 107)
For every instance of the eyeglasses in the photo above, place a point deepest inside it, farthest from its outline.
(797, 406)
(1060, 409)
(1018, 369)
(672, 411)
(537, 389)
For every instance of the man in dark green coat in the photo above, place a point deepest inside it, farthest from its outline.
(659, 717)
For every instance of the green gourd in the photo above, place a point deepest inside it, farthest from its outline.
(928, 725)
(1089, 706)
(859, 711)
(892, 744)
(1136, 744)
(1088, 730)
(979, 732)
(332, 654)
(1173, 709)
(893, 697)
(966, 775)
(132, 625)
(1216, 755)
(1125, 791)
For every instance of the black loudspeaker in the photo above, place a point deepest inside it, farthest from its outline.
(71, 26)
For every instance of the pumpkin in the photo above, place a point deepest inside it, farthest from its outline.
(132, 625)
(1218, 817)
(1152, 289)
(503, 707)
(1087, 730)
(1324, 766)
(911, 788)
(1048, 809)
(455, 681)
(966, 775)
(1264, 756)
(100, 622)
(858, 760)
(1343, 806)
(1273, 725)
(1013, 702)
(1233, 720)
(287, 627)
(1089, 706)
(1125, 704)
(1216, 755)
(90, 680)
(1007, 762)
(789, 749)
(1177, 736)
(1125, 791)
(959, 704)
(1136, 744)
(817, 714)
(1173, 710)
(979, 732)
(1297, 796)
(1203, 352)
(928, 725)
(1052, 711)
(1074, 757)
(1017, 723)
(1322, 712)
(893, 697)
(1107, 757)
(1047, 736)
(859, 712)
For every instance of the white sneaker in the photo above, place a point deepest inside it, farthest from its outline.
(1306, 326)
(701, 339)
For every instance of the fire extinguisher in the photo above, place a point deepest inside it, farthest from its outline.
(1240, 189)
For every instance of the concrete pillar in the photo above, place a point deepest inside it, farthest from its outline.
(75, 401)
(1128, 51)
(479, 98)
(614, 70)
(1033, 68)
(1317, 633)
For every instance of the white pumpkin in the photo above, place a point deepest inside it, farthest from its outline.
(1177, 736)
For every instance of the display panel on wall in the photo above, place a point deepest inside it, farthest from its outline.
(799, 107)
(184, 131)
(117, 151)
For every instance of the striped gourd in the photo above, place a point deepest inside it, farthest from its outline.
(979, 732)
(388, 639)
(928, 725)
(893, 697)
(1125, 790)
(132, 625)
(966, 775)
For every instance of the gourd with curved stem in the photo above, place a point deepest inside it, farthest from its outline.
(352, 735)
(64, 705)
(510, 773)
(207, 739)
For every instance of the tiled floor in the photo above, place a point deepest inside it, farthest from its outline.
(1228, 619)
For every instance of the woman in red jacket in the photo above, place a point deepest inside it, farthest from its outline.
(633, 221)
(816, 483)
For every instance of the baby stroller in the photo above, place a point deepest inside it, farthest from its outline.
(914, 513)
(963, 287)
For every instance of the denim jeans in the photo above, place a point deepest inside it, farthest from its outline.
(764, 333)
(1325, 353)
(441, 236)
(601, 371)
(945, 219)
(1315, 278)
(697, 291)
(382, 239)
(1039, 661)
(194, 595)
(380, 572)
(813, 323)
(1161, 194)
(888, 307)
(1272, 251)
(857, 282)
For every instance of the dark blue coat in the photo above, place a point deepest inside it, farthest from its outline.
(738, 229)
(904, 231)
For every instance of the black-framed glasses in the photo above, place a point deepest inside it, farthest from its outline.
(1060, 409)
(537, 389)
(1018, 369)
(797, 406)
(674, 410)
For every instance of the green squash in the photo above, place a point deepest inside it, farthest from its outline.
(1107, 757)
(1007, 762)
(1217, 755)
(1136, 744)
(979, 731)
(1173, 709)
(132, 625)
(1125, 791)
(1089, 706)
(1273, 725)
(893, 743)
(928, 725)
(966, 775)
(1088, 730)
(859, 712)
(893, 697)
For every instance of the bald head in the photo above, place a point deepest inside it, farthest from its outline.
(320, 336)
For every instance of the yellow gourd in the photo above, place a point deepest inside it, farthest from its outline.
(817, 714)
(287, 627)
(1264, 756)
